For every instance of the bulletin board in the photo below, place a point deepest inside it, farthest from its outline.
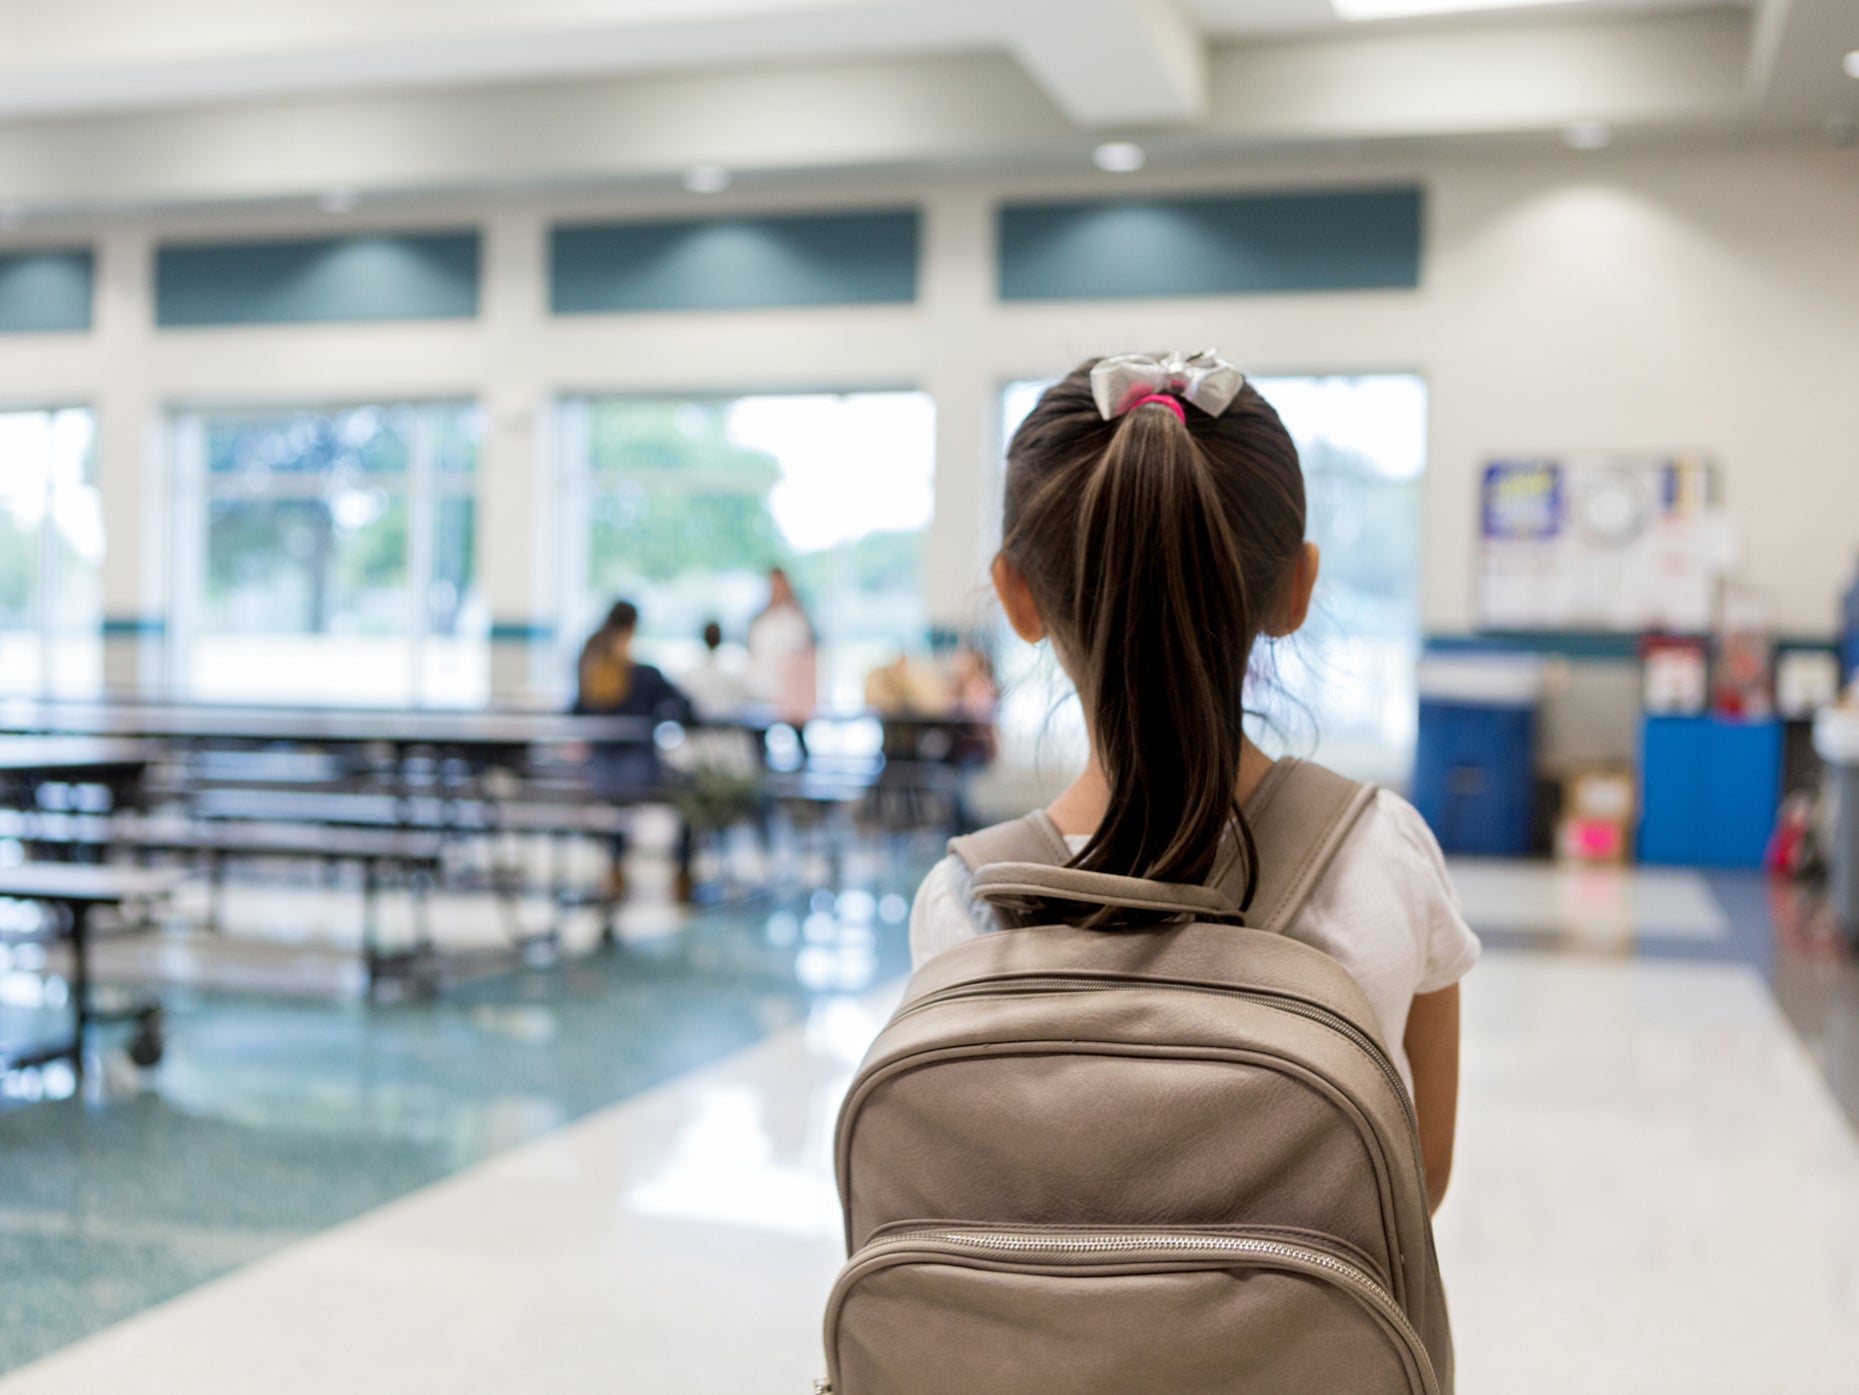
(1600, 542)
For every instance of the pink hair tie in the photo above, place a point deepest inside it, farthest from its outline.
(1172, 403)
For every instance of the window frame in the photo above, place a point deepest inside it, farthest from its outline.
(48, 571)
(422, 485)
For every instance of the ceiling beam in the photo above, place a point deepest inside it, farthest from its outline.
(1795, 72)
(1658, 70)
(1112, 63)
(639, 130)
(82, 56)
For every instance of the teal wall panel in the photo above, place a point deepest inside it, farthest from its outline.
(1585, 644)
(371, 276)
(521, 632)
(1243, 244)
(735, 263)
(134, 626)
(46, 291)
(1561, 644)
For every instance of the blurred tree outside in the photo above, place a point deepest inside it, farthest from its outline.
(662, 534)
(283, 560)
(680, 502)
(19, 572)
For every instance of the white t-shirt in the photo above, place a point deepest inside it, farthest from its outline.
(1385, 910)
(716, 686)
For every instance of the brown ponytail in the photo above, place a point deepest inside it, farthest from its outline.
(1156, 549)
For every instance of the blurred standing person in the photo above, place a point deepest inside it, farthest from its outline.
(717, 682)
(611, 683)
(783, 658)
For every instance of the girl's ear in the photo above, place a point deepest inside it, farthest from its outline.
(1016, 599)
(1295, 607)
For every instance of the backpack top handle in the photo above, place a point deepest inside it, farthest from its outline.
(1300, 814)
(1010, 884)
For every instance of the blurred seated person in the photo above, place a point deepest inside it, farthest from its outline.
(907, 687)
(912, 699)
(721, 765)
(718, 683)
(976, 698)
(611, 683)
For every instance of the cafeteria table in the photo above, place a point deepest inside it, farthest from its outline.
(74, 892)
(27, 763)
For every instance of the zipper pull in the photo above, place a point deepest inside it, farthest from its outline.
(822, 1386)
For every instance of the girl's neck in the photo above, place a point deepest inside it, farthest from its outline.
(1081, 808)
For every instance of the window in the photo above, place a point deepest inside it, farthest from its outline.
(330, 556)
(1345, 686)
(51, 554)
(682, 506)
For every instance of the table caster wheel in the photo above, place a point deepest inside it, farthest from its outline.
(147, 1046)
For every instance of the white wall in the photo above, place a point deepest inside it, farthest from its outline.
(1674, 298)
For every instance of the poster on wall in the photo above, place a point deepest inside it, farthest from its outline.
(1599, 542)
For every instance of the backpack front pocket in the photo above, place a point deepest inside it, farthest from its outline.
(1029, 1310)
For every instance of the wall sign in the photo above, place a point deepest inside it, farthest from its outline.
(1599, 542)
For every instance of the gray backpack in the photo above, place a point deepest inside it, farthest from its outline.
(1177, 1160)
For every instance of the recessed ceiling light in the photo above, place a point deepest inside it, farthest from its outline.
(1851, 64)
(338, 200)
(1400, 9)
(706, 179)
(1119, 157)
(1589, 135)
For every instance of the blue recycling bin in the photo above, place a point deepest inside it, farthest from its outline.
(1475, 773)
(1710, 789)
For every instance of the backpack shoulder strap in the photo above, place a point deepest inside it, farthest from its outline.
(1299, 816)
(1034, 838)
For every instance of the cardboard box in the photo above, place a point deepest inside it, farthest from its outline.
(1599, 810)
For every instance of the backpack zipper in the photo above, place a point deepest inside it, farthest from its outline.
(1289, 1235)
(1358, 1280)
(1297, 1006)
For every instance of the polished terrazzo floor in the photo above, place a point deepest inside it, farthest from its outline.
(272, 1120)
(613, 1176)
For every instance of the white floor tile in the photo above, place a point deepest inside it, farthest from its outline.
(1654, 1191)
(1587, 905)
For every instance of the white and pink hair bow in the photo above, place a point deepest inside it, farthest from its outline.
(1206, 380)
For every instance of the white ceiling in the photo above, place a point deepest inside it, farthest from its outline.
(67, 57)
(1235, 19)
(1103, 60)
(125, 101)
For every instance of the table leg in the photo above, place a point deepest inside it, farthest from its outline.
(216, 891)
(80, 985)
(370, 937)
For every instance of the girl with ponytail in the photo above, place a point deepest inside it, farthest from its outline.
(1154, 534)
